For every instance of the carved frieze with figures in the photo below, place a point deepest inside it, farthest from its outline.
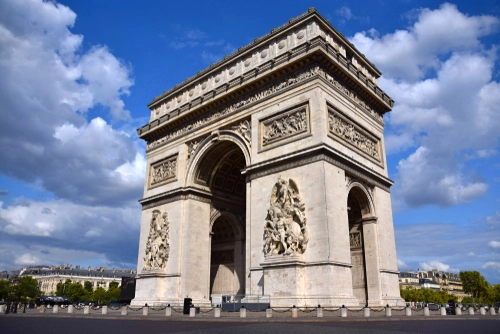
(291, 124)
(163, 171)
(349, 132)
(158, 243)
(285, 228)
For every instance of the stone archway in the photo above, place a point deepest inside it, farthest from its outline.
(218, 170)
(358, 207)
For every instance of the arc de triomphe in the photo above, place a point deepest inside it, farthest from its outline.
(267, 175)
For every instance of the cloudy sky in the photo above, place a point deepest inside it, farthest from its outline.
(76, 77)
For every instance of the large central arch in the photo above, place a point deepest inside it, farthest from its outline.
(217, 167)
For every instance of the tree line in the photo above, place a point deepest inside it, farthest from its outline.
(473, 283)
(25, 290)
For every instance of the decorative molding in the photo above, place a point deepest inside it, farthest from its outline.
(244, 128)
(286, 124)
(278, 86)
(320, 152)
(285, 229)
(158, 243)
(163, 171)
(349, 132)
(174, 196)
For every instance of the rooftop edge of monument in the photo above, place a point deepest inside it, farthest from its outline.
(259, 41)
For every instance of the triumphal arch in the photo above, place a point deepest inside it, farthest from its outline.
(266, 175)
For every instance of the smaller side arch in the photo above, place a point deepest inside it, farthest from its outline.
(235, 223)
(364, 197)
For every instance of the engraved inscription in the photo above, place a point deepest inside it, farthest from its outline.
(348, 131)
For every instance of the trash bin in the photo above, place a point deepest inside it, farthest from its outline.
(187, 305)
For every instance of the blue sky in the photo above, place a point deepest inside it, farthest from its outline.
(77, 75)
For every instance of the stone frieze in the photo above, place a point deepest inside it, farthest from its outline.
(163, 171)
(158, 243)
(285, 125)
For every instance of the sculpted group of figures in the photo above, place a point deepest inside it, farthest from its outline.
(285, 229)
(285, 126)
(158, 244)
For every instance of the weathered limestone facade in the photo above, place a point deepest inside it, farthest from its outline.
(267, 176)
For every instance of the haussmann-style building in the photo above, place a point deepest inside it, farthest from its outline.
(267, 176)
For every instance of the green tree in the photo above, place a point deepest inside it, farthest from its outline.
(113, 292)
(5, 289)
(75, 292)
(26, 289)
(100, 296)
(474, 283)
(88, 287)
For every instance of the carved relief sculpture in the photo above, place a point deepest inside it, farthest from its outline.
(290, 124)
(285, 229)
(245, 130)
(353, 135)
(355, 239)
(158, 243)
(163, 171)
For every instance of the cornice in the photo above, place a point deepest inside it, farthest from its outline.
(259, 42)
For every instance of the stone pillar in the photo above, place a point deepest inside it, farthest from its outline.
(168, 311)
(482, 311)
(372, 261)
(458, 310)
(86, 309)
(105, 309)
(192, 312)
(408, 311)
(366, 312)
(269, 313)
(124, 310)
(71, 309)
(294, 312)
(217, 312)
(443, 310)
(55, 309)
(319, 312)
(243, 312)
(343, 312)
(145, 310)
(426, 311)
(388, 311)
(471, 310)
(492, 310)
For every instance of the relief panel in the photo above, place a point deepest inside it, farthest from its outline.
(163, 171)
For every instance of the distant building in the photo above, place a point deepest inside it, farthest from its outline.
(49, 277)
(433, 279)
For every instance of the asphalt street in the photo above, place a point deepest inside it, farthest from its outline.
(19, 324)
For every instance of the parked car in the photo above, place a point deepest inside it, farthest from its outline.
(433, 307)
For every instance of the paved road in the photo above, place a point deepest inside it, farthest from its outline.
(19, 324)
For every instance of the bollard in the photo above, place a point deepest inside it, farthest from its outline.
(366, 311)
(71, 309)
(217, 312)
(43, 308)
(168, 311)
(408, 311)
(388, 311)
(294, 312)
(482, 311)
(145, 310)
(471, 310)
(86, 309)
(124, 310)
(319, 312)
(343, 312)
(443, 310)
(3, 308)
(492, 310)
(105, 309)
(243, 312)
(55, 309)
(426, 311)
(458, 310)
(269, 313)
(192, 312)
